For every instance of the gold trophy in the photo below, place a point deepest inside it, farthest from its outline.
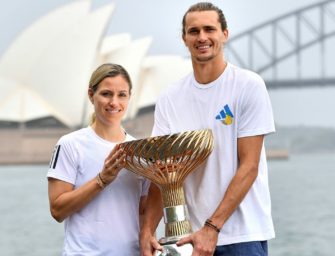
(166, 161)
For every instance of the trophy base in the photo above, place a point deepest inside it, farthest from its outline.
(174, 250)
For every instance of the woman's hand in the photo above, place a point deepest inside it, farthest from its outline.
(114, 162)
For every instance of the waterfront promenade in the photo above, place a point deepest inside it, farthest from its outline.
(35, 146)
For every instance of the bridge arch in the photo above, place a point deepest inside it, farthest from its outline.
(262, 48)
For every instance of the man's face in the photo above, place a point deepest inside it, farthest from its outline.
(204, 36)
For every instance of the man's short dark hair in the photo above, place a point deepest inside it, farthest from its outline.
(206, 6)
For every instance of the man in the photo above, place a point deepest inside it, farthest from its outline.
(227, 197)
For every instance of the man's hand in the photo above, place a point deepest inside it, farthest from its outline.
(204, 241)
(149, 244)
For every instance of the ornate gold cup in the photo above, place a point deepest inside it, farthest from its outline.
(166, 161)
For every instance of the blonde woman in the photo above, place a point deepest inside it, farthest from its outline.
(99, 201)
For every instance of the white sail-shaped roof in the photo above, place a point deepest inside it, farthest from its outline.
(6, 86)
(112, 43)
(19, 59)
(23, 104)
(46, 71)
(55, 57)
(157, 73)
(62, 72)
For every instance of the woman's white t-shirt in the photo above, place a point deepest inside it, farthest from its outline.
(109, 224)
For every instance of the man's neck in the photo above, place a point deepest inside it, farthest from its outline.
(208, 71)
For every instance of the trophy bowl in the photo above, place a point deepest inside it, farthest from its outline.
(166, 161)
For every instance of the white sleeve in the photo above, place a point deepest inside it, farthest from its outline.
(161, 124)
(63, 164)
(255, 110)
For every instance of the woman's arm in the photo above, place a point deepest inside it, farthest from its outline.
(65, 200)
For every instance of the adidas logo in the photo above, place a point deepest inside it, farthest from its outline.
(225, 116)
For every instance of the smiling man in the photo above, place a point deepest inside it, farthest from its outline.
(227, 197)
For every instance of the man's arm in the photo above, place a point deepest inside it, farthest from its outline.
(152, 216)
(249, 150)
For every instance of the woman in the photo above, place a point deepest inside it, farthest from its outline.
(88, 187)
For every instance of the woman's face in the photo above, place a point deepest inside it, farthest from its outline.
(110, 100)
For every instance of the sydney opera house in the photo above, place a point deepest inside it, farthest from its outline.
(44, 73)
(44, 76)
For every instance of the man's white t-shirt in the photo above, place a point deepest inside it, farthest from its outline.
(109, 224)
(233, 106)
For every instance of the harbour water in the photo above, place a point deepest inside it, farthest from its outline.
(302, 190)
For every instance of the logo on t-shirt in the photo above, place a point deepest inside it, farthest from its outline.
(225, 115)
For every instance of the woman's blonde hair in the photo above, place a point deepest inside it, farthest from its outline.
(104, 71)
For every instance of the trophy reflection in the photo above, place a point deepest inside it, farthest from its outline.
(166, 161)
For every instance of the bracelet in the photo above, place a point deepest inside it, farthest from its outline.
(209, 223)
(104, 182)
(100, 182)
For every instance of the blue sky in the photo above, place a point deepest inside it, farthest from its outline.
(160, 19)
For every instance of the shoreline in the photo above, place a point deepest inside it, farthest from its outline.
(29, 146)
(35, 146)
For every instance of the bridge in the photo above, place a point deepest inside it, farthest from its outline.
(294, 50)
